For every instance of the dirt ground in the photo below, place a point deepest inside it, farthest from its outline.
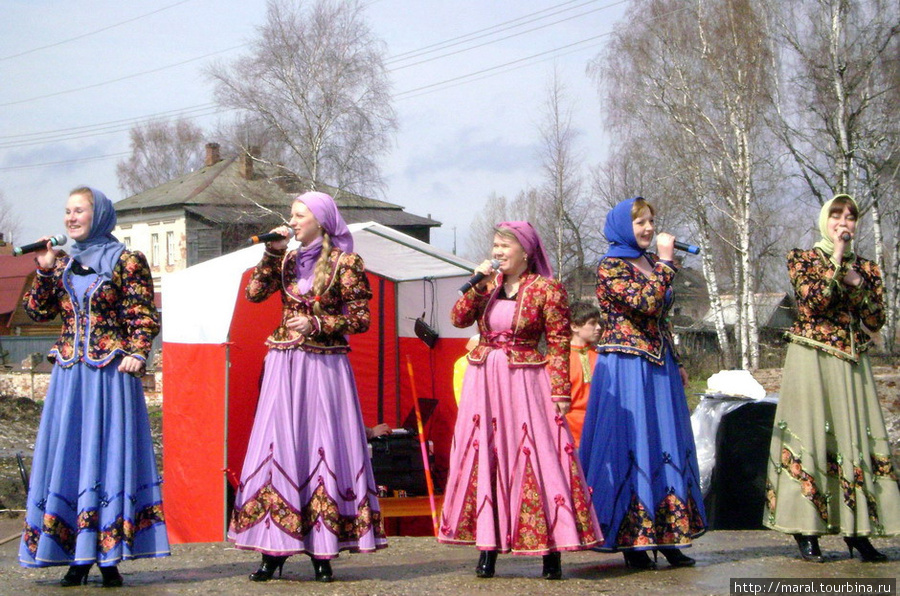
(418, 565)
(421, 566)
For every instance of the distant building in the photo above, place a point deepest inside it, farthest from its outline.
(16, 276)
(775, 313)
(213, 211)
(689, 288)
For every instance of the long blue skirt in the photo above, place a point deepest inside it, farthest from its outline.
(94, 495)
(637, 449)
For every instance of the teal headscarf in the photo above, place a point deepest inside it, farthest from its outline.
(825, 243)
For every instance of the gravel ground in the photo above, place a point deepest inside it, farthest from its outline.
(420, 566)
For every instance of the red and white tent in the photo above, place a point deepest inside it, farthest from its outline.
(213, 353)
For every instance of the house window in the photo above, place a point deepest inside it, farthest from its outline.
(127, 242)
(154, 250)
(170, 248)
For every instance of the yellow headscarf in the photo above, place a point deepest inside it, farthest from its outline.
(826, 243)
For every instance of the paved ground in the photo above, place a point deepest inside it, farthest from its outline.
(420, 566)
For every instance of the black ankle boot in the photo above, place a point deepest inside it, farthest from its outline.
(76, 576)
(267, 568)
(638, 559)
(676, 558)
(867, 552)
(552, 566)
(322, 567)
(111, 577)
(809, 548)
(486, 562)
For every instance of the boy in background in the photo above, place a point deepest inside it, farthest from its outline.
(584, 320)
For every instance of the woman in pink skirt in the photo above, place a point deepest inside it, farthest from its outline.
(515, 483)
(307, 484)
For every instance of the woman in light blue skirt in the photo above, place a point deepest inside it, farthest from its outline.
(95, 494)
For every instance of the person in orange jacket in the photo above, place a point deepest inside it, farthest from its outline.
(584, 319)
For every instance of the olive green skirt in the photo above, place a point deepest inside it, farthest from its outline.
(830, 469)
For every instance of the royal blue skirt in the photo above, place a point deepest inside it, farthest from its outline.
(637, 449)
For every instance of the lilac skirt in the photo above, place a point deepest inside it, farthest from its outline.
(307, 484)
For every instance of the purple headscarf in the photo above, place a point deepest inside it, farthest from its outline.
(100, 250)
(328, 216)
(531, 242)
(325, 211)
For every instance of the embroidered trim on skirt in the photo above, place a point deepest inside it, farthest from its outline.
(95, 491)
(639, 456)
(830, 469)
(307, 484)
(515, 483)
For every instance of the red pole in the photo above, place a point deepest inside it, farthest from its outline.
(424, 447)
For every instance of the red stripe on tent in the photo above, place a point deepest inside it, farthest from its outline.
(250, 326)
(194, 442)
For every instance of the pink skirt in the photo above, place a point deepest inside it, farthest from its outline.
(515, 483)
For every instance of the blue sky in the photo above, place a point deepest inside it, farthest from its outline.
(75, 76)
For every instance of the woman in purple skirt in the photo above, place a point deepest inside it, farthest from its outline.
(307, 484)
(515, 483)
(94, 495)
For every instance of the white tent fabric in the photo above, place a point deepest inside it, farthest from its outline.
(198, 302)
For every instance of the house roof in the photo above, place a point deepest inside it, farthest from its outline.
(221, 193)
(14, 274)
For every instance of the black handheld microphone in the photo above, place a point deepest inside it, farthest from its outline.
(846, 237)
(694, 250)
(477, 278)
(270, 237)
(57, 240)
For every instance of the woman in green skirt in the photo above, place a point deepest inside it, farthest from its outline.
(830, 469)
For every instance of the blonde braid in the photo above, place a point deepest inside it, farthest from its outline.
(322, 272)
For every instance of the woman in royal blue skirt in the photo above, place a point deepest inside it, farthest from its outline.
(637, 447)
(95, 492)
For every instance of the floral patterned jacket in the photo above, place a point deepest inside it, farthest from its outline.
(830, 313)
(635, 307)
(542, 310)
(121, 318)
(345, 301)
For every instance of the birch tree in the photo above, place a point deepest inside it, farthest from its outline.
(699, 85)
(315, 82)
(836, 100)
(567, 233)
(161, 150)
(9, 222)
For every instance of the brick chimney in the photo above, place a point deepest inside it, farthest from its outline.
(212, 154)
(246, 163)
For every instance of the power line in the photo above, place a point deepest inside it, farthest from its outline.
(124, 127)
(124, 78)
(499, 66)
(532, 30)
(476, 34)
(65, 161)
(206, 109)
(96, 31)
(149, 117)
(526, 19)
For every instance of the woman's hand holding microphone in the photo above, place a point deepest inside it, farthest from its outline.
(665, 246)
(843, 237)
(280, 244)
